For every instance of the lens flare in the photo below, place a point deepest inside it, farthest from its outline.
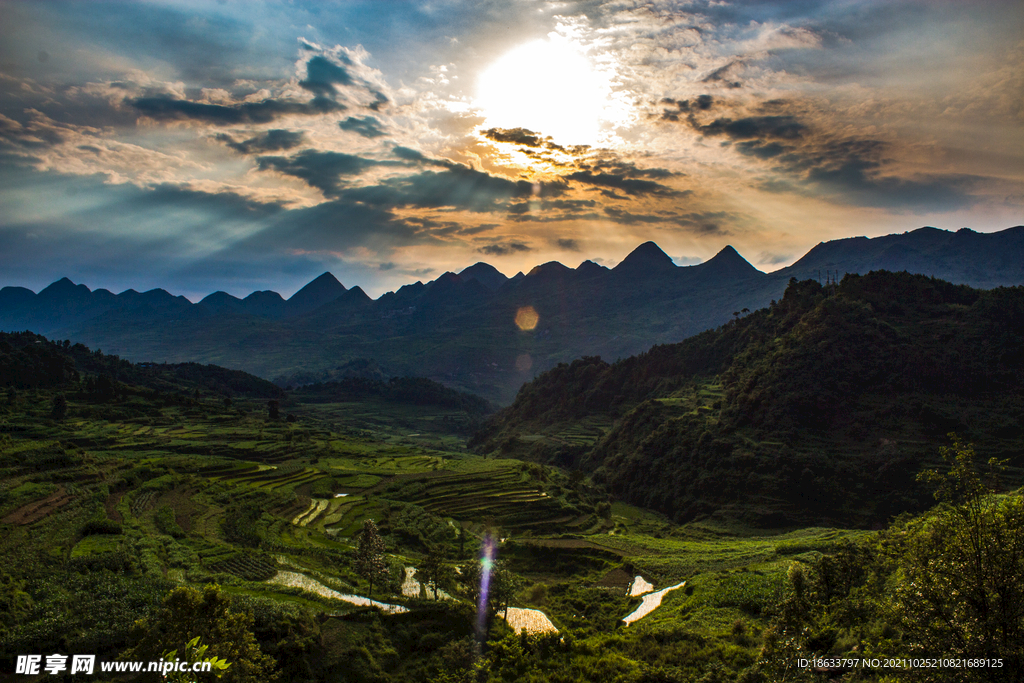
(486, 564)
(527, 318)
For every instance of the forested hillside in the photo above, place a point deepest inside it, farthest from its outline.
(819, 408)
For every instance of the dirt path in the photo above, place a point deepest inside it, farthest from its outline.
(110, 505)
(36, 510)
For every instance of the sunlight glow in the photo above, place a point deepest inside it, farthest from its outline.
(546, 86)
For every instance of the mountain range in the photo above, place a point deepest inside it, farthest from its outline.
(461, 330)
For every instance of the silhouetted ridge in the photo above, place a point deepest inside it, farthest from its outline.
(315, 294)
(728, 263)
(484, 273)
(648, 258)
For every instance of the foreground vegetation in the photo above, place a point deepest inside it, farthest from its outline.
(137, 518)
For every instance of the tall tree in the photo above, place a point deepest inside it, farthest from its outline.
(437, 573)
(959, 592)
(371, 563)
(59, 407)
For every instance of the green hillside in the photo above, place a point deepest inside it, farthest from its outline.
(818, 409)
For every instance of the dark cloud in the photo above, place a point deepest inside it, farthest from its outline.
(518, 136)
(504, 248)
(387, 266)
(456, 187)
(380, 101)
(367, 126)
(322, 75)
(760, 149)
(167, 108)
(723, 74)
(705, 223)
(322, 170)
(779, 127)
(334, 226)
(556, 217)
(271, 141)
(627, 218)
(407, 154)
(848, 169)
(613, 173)
(225, 204)
(568, 244)
(566, 205)
(623, 182)
(702, 103)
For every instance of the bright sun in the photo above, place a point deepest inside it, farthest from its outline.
(548, 87)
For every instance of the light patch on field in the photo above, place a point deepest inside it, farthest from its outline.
(316, 506)
(410, 586)
(650, 602)
(639, 587)
(296, 580)
(533, 620)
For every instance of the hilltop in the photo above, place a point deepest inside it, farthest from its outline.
(820, 408)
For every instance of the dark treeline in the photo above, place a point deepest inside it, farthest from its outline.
(412, 390)
(29, 361)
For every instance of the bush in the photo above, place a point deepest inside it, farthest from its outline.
(101, 526)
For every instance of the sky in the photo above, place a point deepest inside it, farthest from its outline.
(242, 146)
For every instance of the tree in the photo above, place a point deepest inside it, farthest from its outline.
(959, 592)
(187, 613)
(437, 573)
(59, 407)
(194, 653)
(371, 563)
(502, 584)
(273, 409)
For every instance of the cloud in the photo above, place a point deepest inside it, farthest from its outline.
(169, 108)
(504, 248)
(323, 74)
(780, 127)
(772, 258)
(617, 181)
(568, 244)
(322, 170)
(275, 140)
(627, 218)
(853, 170)
(701, 103)
(518, 136)
(456, 187)
(367, 126)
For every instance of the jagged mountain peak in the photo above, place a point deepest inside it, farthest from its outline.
(646, 258)
(484, 273)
